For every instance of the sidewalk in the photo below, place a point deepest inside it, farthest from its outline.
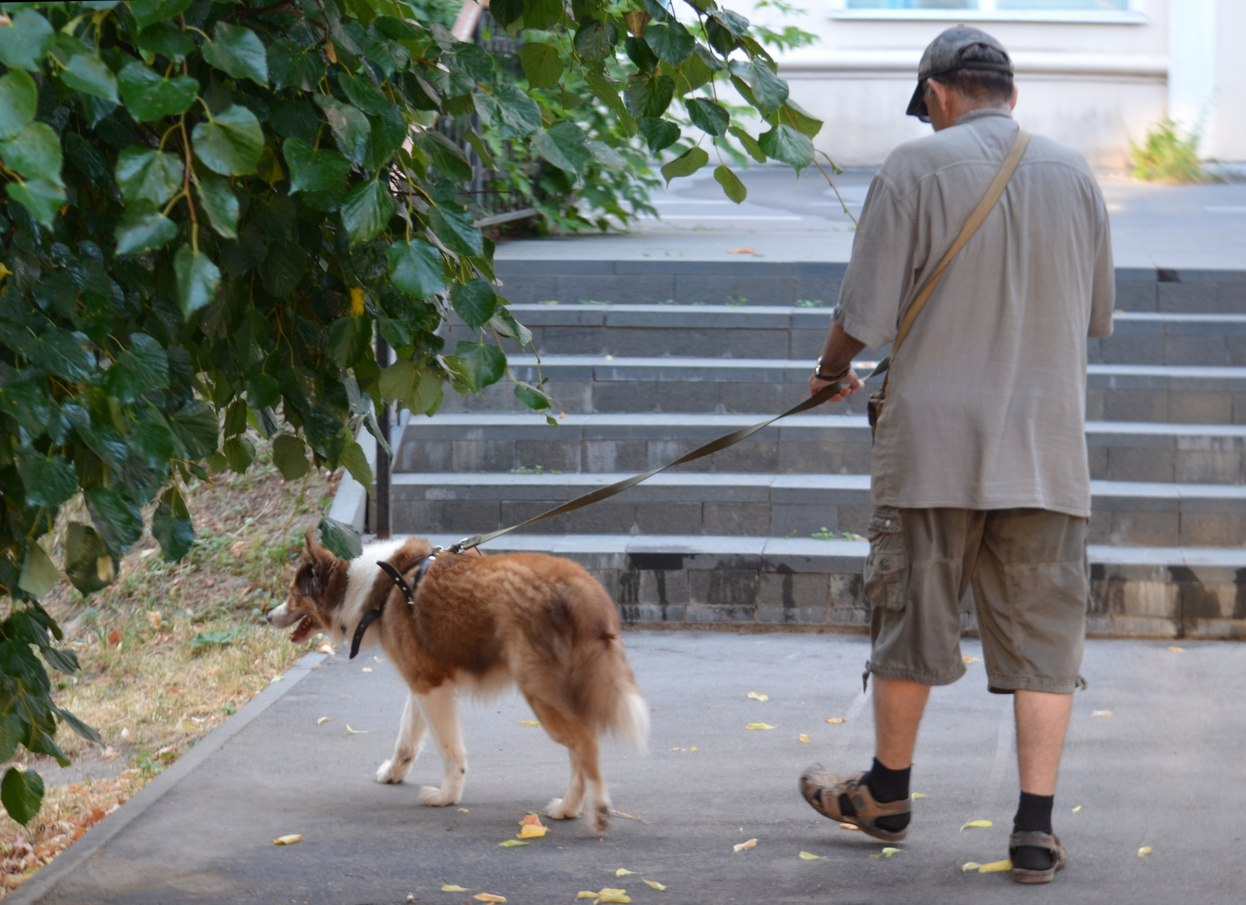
(1154, 760)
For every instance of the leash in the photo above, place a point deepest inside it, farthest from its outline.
(713, 446)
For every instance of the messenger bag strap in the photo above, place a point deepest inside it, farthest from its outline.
(976, 219)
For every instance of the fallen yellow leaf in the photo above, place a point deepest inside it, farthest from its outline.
(744, 846)
(803, 738)
(322, 721)
(450, 887)
(511, 843)
(623, 872)
(918, 796)
(531, 820)
(1077, 809)
(968, 659)
(1144, 851)
(325, 648)
(758, 696)
(887, 852)
(288, 840)
(761, 726)
(835, 720)
(810, 856)
(529, 723)
(350, 731)
(1103, 713)
(488, 897)
(740, 251)
(977, 825)
(585, 894)
(970, 865)
(654, 884)
(529, 831)
(608, 894)
(996, 867)
(849, 826)
(1176, 650)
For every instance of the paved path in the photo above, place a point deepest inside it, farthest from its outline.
(1154, 759)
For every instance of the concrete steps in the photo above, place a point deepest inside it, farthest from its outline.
(768, 532)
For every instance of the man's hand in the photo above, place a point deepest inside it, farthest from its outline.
(848, 384)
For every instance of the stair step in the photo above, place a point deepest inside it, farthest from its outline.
(713, 580)
(760, 331)
(781, 506)
(799, 444)
(593, 383)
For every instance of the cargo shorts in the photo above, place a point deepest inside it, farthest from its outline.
(1031, 585)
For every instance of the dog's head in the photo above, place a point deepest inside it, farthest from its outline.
(316, 593)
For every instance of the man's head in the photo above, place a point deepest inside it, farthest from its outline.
(962, 69)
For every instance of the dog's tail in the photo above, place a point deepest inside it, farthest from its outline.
(631, 722)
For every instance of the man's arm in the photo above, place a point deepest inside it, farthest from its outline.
(836, 360)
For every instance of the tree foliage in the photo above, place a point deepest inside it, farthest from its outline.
(212, 206)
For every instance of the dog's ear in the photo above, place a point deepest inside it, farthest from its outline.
(308, 580)
(315, 548)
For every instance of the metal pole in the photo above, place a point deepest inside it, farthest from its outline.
(382, 457)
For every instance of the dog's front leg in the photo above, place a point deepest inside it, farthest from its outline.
(407, 746)
(441, 711)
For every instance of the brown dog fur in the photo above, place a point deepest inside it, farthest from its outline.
(482, 623)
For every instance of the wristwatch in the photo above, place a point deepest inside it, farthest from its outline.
(829, 378)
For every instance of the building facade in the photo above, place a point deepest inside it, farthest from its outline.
(1093, 74)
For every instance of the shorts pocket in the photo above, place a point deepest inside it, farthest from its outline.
(887, 565)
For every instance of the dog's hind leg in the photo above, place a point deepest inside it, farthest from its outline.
(406, 746)
(441, 711)
(586, 779)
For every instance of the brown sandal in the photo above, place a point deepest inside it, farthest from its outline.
(1036, 839)
(846, 799)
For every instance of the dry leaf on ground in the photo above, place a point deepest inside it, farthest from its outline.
(291, 839)
(977, 825)
(745, 846)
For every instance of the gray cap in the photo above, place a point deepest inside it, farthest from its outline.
(947, 53)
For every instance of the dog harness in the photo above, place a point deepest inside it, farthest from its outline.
(408, 591)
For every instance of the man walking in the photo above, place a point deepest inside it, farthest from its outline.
(979, 472)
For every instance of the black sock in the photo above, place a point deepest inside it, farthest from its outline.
(1033, 815)
(886, 784)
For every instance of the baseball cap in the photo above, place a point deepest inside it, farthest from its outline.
(947, 53)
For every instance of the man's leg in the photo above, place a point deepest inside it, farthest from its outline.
(1042, 720)
(898, 708)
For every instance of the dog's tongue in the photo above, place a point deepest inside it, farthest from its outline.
(302, 630)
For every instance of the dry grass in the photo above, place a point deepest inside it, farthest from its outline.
(167, 653)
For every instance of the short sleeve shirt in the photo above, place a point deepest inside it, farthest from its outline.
(986, 397)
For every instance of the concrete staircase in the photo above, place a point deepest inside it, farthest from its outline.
(647, 360)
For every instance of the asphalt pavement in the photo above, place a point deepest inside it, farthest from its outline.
(1152, 804)
(1150, 807)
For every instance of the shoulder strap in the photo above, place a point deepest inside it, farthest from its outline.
(976, 218)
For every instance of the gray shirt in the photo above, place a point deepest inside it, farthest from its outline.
(986, 400)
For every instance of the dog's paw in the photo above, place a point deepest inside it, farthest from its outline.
(558, 810)
(392, 772)
(601, 818)
(436, 798)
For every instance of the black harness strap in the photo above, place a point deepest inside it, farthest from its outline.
(408, 591)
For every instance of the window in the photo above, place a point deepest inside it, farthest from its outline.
(1033, 10)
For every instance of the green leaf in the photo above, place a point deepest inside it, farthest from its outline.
(648, 94)
(731, 184)
(25, 41)
(116, 517)
(342, 540)
(171, 525)
(708, 116)
(475, 302)
(19, 100)
(595, 41)
(143, 230)
(239, 453)
(290, 66)
(78, 726)
(531, 397)
(148, 175)
(22, 794)
(89, 564)
(290, 456)
(349, 125)
(416, 268)
(749, 143)
(417, 389)
(444, 154)
(366, 210)
(141, 369)
(149, 12)
(12, 732)
(218, 638)
(220, 203)
(356, 462)
(195, 427)
(477, 364)
(659, 134)
(61, 353)
(39, 573)
(685, 164)
(148, 96)
(563, 145)
(197, 279)
(670, 41)
(349, 340)
(800, 120)
(787, 145)
(231, 142)
(542, 65)
(35, 153)
(87, 73)
(237, 51)
(42, 198)
(768, 90)
(313, 169)
(456, 231)
(164, 39)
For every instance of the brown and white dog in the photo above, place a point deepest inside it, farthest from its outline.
(480, 623)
